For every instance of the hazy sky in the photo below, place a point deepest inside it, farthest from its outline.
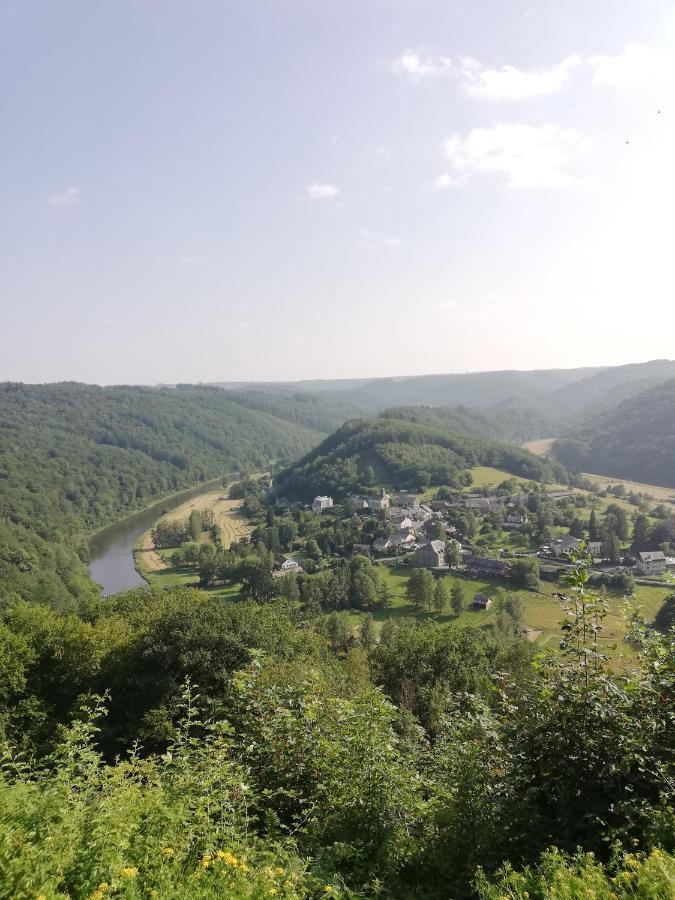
(213, 190)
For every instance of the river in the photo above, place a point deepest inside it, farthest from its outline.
(111, 550)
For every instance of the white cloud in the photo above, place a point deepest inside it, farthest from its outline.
(383, 153)
(445, 181)
(69, 197)
(635, 66)
(322, 191)
(530, 156)
(510, 83)
(371, 239)
(243, 325)
(413, 63)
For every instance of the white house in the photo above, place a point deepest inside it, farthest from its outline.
(321, 503)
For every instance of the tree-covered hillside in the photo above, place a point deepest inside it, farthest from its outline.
(76, 457)
(397, 450)
(635, 439)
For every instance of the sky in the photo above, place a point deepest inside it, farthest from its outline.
(208, 190)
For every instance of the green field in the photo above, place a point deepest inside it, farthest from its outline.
(541, 611)
(180, 576)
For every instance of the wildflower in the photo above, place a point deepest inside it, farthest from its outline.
(168, 851)
(103, 887)
(279, 870)
(328, 888)
(206, 860)
(244, 868)
(129, 872)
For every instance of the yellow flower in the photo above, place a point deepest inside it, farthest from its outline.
(206, 860)
(103, 887)
(244, 868)
(168, 851)
(129, 872)
(97, 895)
(328, 888)
(279, 870)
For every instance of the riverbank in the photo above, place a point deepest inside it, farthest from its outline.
(227, 517)
(112, 563)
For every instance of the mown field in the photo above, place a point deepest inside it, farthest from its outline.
(156, 566)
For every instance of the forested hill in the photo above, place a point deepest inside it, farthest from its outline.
(509, 405)
(75, 457)
(635, 439)
(394, 449)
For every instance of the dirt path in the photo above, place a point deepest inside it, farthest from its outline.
(150, 558)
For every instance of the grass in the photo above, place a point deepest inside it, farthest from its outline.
(659, 492)
(541, 611)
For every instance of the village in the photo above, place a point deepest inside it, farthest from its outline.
(429, 534)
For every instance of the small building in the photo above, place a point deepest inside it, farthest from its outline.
(361, 550)
(381, 544)
(286, 566)
(431, 554)
(563, 546)
(652, 562)
(494, 568)
(515, 520)
(321, 503)
(481, 601)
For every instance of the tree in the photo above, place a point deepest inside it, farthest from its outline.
(453, 553)
(665, 617)
(616, 521)
(593, 529)
(441, 595)
(420, 588)
(457, 598)
(195, 524)
(368, 637)
(641, 533)
(525, 573)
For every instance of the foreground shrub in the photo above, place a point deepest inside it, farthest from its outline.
(562, 877)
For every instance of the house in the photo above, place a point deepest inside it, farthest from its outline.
(379, 501)
(564, 545)
(404, 540)
(482, 505)
(481, 601)
(287, 565)
(653, 562)
(407, 500)
(595, 550)
(404, 524)
(321, 503)
(515, 520)
(495, 568)
(381, 544)
(431, 554)
(361, 550)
